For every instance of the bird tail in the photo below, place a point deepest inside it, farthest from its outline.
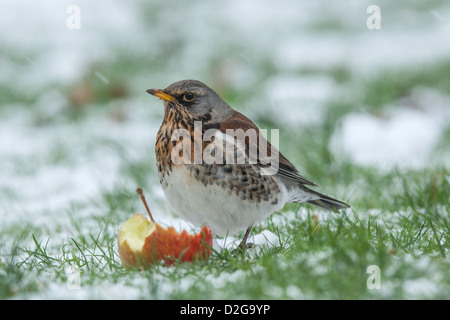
(327, 202)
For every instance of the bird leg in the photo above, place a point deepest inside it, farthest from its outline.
(243, 243)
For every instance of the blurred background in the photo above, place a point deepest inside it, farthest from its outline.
(73, 77)
(77, 128)
(75, 119)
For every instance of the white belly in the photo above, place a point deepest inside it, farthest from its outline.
(214, 206)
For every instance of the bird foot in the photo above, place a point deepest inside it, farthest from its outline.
(242, 247)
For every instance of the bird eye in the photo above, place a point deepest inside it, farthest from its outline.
(189, 96)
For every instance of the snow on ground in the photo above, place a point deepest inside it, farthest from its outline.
(38, 50)
(405, 137)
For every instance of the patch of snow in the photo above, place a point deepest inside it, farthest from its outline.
(405, 138)
(231, 47)
(298, 99)
(421, 288)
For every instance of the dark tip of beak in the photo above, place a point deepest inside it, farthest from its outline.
(152, 91)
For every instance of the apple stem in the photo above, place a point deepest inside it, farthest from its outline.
(141, 194)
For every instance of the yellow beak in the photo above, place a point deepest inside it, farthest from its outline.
(161, 94)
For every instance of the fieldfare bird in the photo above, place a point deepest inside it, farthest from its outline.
(216, 168)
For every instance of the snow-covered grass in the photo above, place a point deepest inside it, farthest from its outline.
(363, 113)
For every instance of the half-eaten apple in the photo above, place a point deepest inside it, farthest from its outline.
(143, 242)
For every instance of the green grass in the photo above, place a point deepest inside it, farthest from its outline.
(399, 219)
(399, 222)
(325, 257)
(392, 85)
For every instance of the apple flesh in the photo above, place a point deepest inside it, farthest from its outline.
(142, 243)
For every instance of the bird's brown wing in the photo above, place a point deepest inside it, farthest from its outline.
(286, 170)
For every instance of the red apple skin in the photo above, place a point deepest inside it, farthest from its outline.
(165, 244)
(173, 246)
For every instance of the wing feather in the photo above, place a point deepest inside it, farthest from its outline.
(286, 169)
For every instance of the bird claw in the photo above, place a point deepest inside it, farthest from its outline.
(242, 247)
